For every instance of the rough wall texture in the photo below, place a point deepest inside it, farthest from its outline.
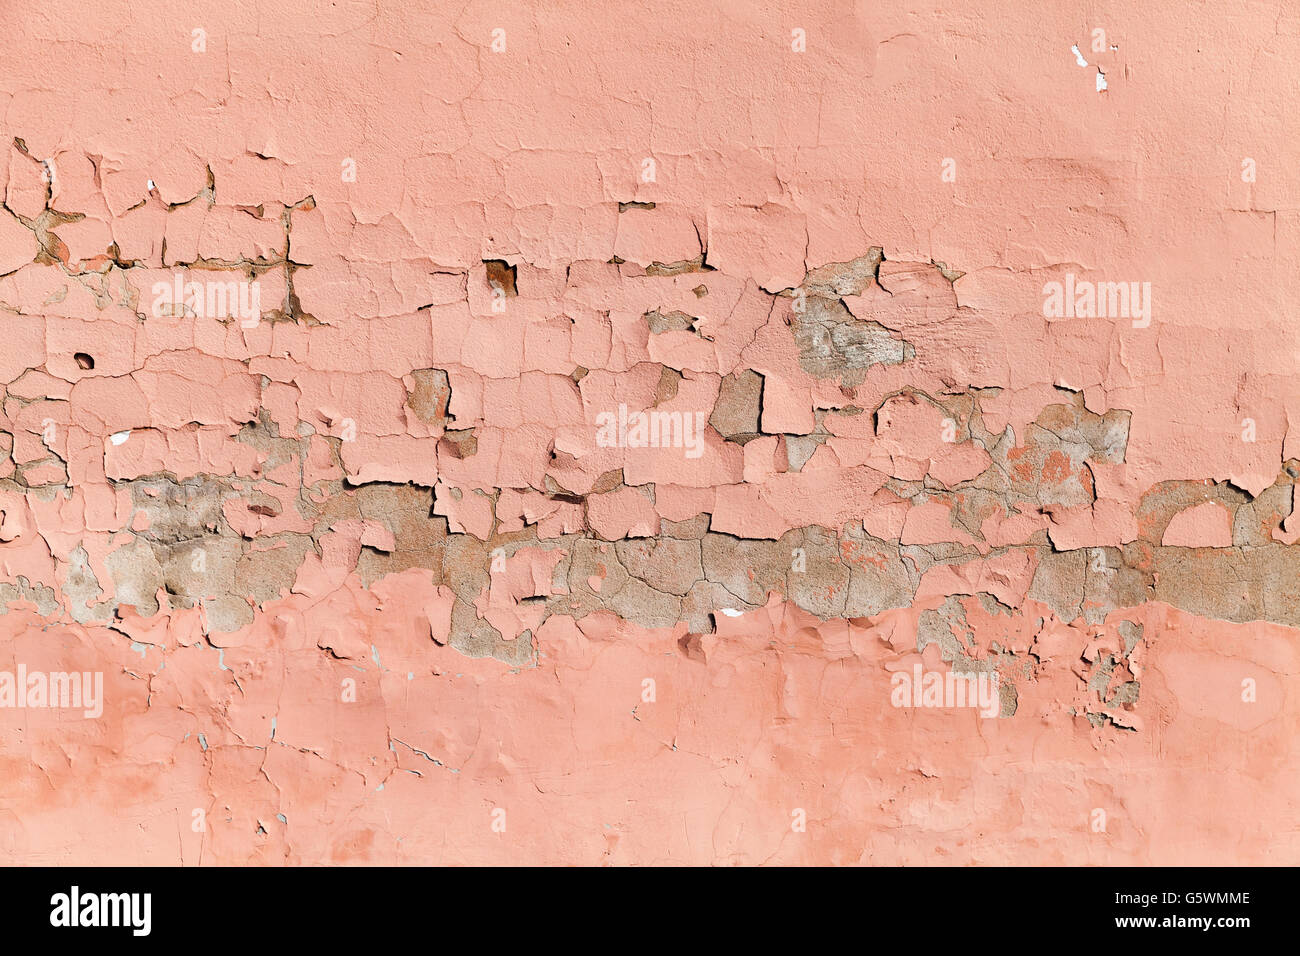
(561, 433)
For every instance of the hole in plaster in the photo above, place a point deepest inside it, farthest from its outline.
(501, 273)
(83, 360)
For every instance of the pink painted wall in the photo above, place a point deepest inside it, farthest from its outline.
(369, 575)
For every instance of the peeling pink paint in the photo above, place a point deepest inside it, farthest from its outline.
(1207, 525)
(552, 435)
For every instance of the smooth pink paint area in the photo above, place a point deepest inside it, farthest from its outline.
(781, 713)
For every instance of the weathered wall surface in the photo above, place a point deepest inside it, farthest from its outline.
(550, 433)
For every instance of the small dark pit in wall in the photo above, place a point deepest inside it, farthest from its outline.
(83, 360)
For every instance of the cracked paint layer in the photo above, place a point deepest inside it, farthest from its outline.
(542, 437)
